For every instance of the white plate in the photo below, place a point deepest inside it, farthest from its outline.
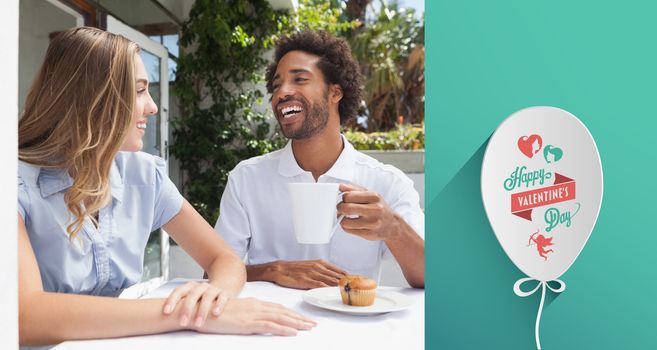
(329, 298)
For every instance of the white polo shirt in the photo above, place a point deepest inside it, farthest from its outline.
(255, 216)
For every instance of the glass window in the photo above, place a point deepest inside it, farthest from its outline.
(171, 43)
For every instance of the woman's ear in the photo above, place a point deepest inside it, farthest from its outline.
(335, 92)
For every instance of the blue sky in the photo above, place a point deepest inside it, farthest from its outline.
(418, 5)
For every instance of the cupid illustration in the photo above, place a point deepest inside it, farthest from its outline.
(541, 242)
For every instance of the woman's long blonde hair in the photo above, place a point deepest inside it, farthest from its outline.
(77, 113)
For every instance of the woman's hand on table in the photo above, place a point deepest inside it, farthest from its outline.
(200, 296)
(253, 316)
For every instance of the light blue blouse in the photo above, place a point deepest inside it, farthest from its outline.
(101, 261)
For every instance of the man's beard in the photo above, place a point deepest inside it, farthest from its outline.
(315, 119)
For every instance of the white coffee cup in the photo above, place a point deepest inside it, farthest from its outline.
(314, 209)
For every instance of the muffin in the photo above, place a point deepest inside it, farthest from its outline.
(357, 290)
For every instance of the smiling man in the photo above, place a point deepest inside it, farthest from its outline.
(315, 84)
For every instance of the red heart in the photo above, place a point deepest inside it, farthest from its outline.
(526, 145)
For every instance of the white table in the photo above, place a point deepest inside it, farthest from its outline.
(403, 330)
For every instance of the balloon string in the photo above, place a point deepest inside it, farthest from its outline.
(538, 316)
(543, 285)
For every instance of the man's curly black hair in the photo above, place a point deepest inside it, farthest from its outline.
(336, 63)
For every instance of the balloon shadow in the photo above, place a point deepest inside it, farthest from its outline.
(473, 267)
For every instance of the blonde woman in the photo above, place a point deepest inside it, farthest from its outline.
(88, 200)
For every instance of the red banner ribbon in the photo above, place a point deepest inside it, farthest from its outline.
(562, 190)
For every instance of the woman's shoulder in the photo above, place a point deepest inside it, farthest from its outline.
(139, 167)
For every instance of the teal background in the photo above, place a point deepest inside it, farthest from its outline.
(486, 60)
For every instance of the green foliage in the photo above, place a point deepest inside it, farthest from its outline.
(402, 137)
(390, 52)
(316, 15)
(222, 47)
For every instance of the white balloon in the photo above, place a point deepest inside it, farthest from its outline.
(541, 184)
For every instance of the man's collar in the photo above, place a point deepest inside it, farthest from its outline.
(53, 181)
(342, 169)
(288, 166)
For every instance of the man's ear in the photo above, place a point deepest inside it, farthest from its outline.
(335, 93)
